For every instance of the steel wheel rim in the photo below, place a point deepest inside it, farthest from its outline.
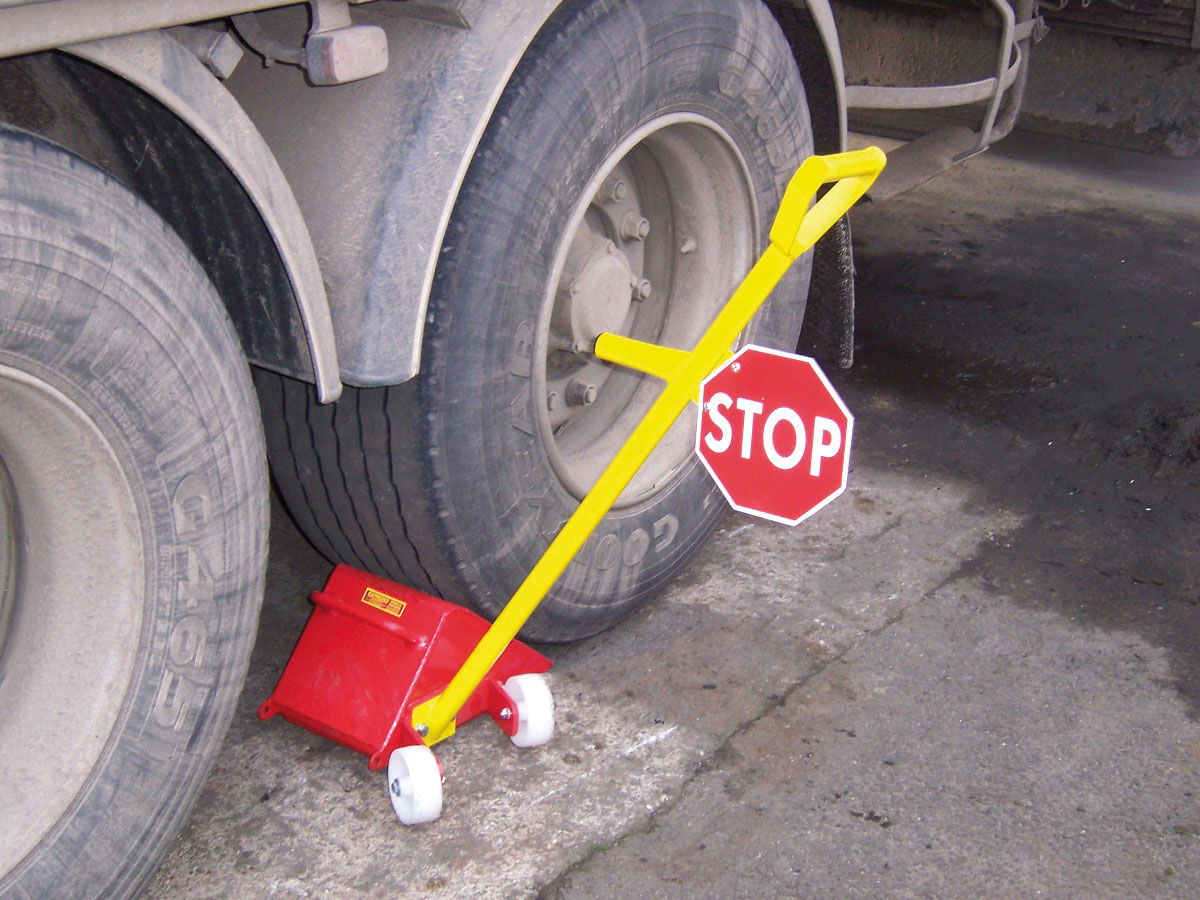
(75, 577)
(8, 555)
(686, 223)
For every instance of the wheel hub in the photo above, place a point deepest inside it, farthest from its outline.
(664, 231)
(598, 297)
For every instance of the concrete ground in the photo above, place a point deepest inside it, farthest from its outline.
(976, 673)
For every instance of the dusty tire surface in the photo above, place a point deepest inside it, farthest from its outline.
(135, 499)
(458, 480)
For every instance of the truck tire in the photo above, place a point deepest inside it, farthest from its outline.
(133, 525)
(626, 183)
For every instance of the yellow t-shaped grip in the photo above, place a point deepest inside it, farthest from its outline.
(797, 227)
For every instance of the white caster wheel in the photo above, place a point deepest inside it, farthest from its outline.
(535, 709)
(415, 784)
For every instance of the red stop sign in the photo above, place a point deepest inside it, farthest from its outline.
(774, 434)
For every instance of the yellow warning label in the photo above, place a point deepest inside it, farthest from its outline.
(391, 605)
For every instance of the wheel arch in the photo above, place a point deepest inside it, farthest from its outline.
(377, 165)
(145, 110)
(274, 178)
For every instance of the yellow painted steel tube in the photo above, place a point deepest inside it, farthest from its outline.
(796, 228)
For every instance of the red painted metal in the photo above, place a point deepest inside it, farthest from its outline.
(372, 651)
(774, 434)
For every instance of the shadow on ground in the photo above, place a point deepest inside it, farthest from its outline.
(1074, 382)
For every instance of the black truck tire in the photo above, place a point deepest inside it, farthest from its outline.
(626, 183)
(133, 526)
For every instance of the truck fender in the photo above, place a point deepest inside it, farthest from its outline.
(377, 164)
(822, 16)
(164, 69)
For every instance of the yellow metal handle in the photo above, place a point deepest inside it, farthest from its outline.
(796, 228)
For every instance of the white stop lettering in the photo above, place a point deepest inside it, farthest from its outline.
(827, 441)
(827, 434)
(783, 414)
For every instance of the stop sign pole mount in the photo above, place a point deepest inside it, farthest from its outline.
(797, 226)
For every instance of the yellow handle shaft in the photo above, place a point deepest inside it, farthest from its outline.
(791, 235)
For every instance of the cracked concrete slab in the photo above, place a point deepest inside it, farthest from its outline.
(971, 749)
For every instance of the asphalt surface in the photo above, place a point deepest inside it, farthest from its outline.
(976, 673)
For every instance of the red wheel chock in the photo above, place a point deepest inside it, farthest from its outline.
(373, 651)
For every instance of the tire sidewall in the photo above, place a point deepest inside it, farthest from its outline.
(615, 67)
(99, 302)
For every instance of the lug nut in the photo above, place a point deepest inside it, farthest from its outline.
(643, 290)
(634, 227)
(613, 190)
(552, 401)
(580, 393)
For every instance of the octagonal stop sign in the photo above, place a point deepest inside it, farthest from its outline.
(774, 434)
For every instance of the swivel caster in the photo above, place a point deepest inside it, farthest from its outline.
(535, 709)
(415, 784)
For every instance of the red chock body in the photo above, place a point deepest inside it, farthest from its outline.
(373, 651)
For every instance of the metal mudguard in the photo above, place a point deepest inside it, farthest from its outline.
(164, 69)
(376, 165)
